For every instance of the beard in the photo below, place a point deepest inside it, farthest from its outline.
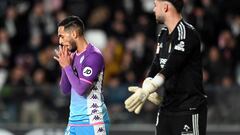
(73, 46)
(160, 20)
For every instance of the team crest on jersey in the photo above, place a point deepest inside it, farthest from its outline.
(87, 71)
(81, 59)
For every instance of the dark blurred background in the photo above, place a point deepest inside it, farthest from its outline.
(125, 31)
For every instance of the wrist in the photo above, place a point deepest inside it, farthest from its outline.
(67, 67)
(158, 80)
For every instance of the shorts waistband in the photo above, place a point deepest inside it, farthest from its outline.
(84, 125)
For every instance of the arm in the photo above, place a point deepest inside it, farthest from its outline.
(64, 84)
(155, 67)
(182, 51)
(91, 68)
(175, 62)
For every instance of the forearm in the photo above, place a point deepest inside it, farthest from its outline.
(64, 84)
(155, 67)
(78, 84)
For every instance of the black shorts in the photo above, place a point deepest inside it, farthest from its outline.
(182, 123)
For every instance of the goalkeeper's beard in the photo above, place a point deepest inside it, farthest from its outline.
(160, 20)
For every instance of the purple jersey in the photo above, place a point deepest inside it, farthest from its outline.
(83, 79)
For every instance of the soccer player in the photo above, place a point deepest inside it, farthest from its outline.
(177, 67)
(82, 76)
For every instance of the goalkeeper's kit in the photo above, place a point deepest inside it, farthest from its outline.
(177, 66)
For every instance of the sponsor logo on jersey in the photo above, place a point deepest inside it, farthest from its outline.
(96, 117)
(100, 130)
(94, 111)
(163, 62)
(94, 105)
(87, 71)
(180, 46)
(94, 96)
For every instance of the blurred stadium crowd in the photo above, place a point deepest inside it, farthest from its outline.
(125, 31)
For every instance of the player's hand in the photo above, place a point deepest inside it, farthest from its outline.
(149, 86)
(136, 100)
(153, 97)
(63, 56)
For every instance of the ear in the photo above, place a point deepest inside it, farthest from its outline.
(74, 34)
(165, 7)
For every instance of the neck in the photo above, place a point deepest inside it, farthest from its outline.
(81, 45)
(172, 21)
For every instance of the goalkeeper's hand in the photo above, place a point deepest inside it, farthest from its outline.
(136, 100)
(153, 97)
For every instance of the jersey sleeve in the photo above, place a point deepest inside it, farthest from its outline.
(88, 73)
(182, 50)
(91, 68)
(64, 84)
(155, 66)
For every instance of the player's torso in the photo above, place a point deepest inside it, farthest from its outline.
(180, 88)
(90, 107)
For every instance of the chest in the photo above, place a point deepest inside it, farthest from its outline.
(165, 47)
(77, 63)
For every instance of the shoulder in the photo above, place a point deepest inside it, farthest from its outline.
(163, 30)
(186, 31)
(94, 55)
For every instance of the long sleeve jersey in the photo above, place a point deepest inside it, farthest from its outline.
(83, 80)
(178, 58)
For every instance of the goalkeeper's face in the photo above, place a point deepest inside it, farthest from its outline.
(66, 39)
(159, 9)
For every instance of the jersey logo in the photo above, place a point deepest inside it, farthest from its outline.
(81, 59)
(186, 131)
(186, 128)
(162, 62)
(180, 46)
(87, 71)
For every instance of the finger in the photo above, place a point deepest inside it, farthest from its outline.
(134, 101)
(155, 98)
(129, 100)
(134, 107)
(56, 51)
(138, 109)
(56, 58)
(133, 88)
(60, 50)
(64, 50)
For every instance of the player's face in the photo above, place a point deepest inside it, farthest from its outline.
(65, 39)
(159, 11)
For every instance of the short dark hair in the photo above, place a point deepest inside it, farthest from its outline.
(73, 22)
(178, 4)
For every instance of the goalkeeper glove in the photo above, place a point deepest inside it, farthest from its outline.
(139, 97)
(153, 97)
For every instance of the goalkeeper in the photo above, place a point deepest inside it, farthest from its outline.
(177, 67)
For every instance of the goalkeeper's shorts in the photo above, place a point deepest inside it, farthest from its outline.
(181, 123)
(84, 129)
